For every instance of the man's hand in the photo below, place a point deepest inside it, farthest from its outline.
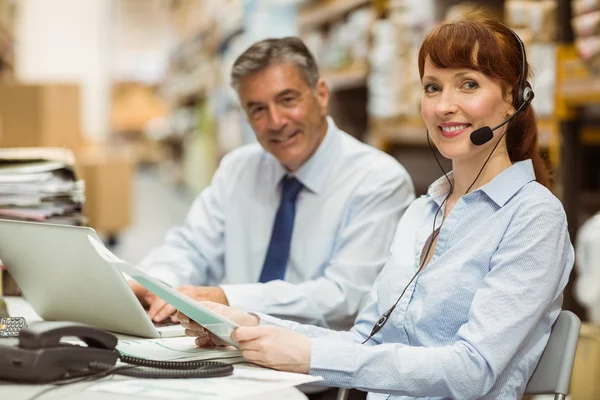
(145, 297)
(160, 310)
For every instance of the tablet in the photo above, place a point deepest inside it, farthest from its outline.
(212, 321)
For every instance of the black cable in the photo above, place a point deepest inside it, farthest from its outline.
(175, 365)
(434, 234)
(138, 368)
(43, 392)
(208, 369)
(93, 377)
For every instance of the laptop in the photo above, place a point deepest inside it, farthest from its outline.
(64, 278)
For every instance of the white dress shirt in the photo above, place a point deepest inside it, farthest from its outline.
(474, 322)
(346, 216)
(587, 250)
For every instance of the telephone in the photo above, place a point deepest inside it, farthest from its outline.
(40, 357)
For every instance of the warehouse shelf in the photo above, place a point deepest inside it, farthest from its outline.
(321, 13)
(347, 78)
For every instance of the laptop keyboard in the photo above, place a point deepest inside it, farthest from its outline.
(166, 322)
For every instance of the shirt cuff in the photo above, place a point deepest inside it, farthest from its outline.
(269, 320)
(164, 275)
(245, 297)
(334, 361)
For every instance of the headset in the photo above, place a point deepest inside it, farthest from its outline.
(524, 97)
(478, 137)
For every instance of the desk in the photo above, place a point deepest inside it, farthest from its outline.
(18, 307)
(77, 392)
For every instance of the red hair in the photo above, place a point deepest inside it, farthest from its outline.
(480, 43)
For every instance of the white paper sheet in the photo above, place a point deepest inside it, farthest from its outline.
(245, 381)
(177, 348)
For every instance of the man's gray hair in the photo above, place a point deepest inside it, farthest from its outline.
(276, 51)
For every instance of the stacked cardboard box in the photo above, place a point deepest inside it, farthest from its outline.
(535, 23)
(533, 20)
(586, 27)
(394, 84)
(49, 115)
(40, 115)
(108, 175)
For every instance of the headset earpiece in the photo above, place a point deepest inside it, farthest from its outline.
(528, 94)
(524, 92)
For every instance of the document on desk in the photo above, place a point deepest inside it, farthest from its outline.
(214, 322)
(177, 348)
(245, 381)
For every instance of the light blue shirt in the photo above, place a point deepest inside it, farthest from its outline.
(475, 321)
(346, 216)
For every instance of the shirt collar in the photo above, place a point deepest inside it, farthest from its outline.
(509, 182)
(500, 189)
(440, 188)
(312, 174)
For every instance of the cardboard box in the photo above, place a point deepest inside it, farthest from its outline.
(585, 384)
(133, 106)
(40, 115)
(536, 17)
(108, 176)
(586, 24)
(579, 7)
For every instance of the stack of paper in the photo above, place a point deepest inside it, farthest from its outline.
(171, 349)
(39, 184)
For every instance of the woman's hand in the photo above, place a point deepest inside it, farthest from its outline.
(274, 347)
(269, 346)
(206, 339)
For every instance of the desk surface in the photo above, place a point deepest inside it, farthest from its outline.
(18, 307)
(78, 391)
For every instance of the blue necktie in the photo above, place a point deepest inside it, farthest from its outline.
(278, 252)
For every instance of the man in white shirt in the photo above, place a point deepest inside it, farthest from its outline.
(300, 224)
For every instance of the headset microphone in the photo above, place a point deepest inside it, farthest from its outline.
(484, 134)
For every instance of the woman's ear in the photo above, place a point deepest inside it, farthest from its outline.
(510, 109)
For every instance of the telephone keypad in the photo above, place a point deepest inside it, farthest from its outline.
(11, 326)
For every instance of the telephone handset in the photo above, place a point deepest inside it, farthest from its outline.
(40, 356)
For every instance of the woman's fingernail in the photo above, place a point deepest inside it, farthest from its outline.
(184, 319)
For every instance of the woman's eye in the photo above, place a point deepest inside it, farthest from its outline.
(430, 88)
(470, 85)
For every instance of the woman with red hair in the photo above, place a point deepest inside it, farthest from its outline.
(464, 306)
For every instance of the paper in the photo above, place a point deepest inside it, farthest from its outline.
(245, 381)
(57, 154)
(212, 321)
(32, 167)
(178, 348)
(39, 184)
(37, 177)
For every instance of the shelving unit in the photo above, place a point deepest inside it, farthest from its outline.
(387, 132)
(577, 89)
(321, 13)
(348, 84)
(348, 78)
